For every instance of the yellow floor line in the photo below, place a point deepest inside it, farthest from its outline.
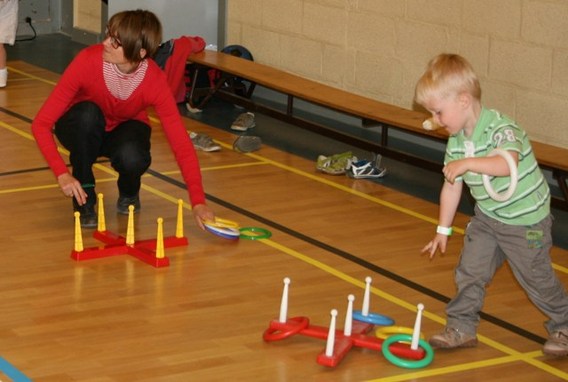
(26, 74)
(513, 357)
(527, 357)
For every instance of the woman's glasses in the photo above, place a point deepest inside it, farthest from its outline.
(114, 41)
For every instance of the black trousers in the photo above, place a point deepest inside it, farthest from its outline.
(81, 130)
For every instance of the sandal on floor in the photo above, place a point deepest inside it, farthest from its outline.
(336, 164)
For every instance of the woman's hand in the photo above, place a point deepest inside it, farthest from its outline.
(71, 188)
(201, 213)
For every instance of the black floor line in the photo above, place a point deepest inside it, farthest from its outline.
(15, 115)
(347, 256)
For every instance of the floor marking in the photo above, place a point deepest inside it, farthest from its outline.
(12, 372)
(528, 357)
(514, 355)
(26, 74)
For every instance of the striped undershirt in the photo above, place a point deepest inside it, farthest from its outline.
(122, 85)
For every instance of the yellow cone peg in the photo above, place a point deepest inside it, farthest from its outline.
(160, 239)
(101, 224)
(78, 234)
(179, 225)
(130, 227)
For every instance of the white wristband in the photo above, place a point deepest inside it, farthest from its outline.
(444, 230)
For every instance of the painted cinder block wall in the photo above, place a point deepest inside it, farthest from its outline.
(379, 48)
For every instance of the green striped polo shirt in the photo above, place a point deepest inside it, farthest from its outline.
(530, 203)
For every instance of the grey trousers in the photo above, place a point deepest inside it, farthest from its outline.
(487, 244)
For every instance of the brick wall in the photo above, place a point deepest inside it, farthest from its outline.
(379, 48)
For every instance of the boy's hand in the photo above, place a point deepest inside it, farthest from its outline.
(439, 242)
(454, 169)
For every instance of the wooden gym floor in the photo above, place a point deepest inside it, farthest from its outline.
(202, 318)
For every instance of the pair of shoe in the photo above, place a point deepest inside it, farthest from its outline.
(88, 216)
(203, 142)
(336, 164)
(365, 169)
(3, 77)
(244, 122)
(450, 338)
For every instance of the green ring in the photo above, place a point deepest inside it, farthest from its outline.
(404, 363)
(264, 233)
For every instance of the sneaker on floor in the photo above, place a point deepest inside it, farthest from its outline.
(191, 109)
(365, 169)
(124, 202)
(452, 338)
(557, 343)
(203, 142)
(244, 122)
(247, 143)
(3, 77)
(88, 217)
(336, 164)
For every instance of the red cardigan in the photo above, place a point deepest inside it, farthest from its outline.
(83, 81)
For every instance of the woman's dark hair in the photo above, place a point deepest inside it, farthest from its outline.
(136, 30)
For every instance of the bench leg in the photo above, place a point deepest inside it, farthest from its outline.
(560, 176)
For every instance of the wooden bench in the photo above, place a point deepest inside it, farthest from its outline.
(371, 113)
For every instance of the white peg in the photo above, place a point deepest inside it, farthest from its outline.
(349, 316)
(284, 302)
(331, 335)
(417, 324)
(366, 297)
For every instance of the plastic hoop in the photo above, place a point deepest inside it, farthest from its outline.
(221, 223)
(225, 233)
(372, 318)
(278, 331)
(404, 363)
(504, 196)
(387, 331)
(263, 233)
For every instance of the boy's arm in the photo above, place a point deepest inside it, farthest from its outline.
(449, 201)
(493, 166)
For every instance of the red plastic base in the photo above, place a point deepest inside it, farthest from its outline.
(359, 338)
(115, 245)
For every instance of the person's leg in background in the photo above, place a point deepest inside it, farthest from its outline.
(8, 27)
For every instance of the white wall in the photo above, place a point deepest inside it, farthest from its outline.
(178, 17)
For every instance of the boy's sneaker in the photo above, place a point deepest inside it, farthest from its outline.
(452, 338)
(124, 202)
(244, 122)
(203, 142)
(557, 343)
(3, 77)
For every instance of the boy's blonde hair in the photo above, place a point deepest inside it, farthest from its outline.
(447, 75)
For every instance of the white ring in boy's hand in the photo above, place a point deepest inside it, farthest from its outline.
(504, 196)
